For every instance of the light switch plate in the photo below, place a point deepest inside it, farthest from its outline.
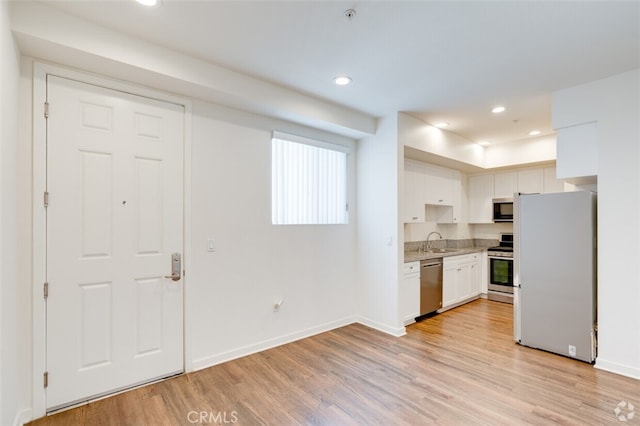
(211, 244)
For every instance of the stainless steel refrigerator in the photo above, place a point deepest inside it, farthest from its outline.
(555, 273)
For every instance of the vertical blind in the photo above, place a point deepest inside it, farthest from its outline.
(308, 181)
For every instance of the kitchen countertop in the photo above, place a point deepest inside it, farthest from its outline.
(414, 256)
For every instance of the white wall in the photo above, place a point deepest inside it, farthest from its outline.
(615, 104)
(522, 152)
(619, 225)
(230, 292)
(15, 308)
(380, 244)
(50, 34)
(419, 231)
(421, 135)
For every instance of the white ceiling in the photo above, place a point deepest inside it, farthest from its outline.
(438, 60)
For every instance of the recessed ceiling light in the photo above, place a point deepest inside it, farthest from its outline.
(498, 109)
(534, 133)
(149, 3)
(442, 125)
(484, 143)
(342, 80)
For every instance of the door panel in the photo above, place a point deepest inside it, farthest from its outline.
(149, 306)
(148, 184)
(95, 325)
(115, 216)
(97, 216)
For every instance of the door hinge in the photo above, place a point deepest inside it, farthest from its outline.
(46, 290)
(45, 378)
(46, 199)
(46, 110)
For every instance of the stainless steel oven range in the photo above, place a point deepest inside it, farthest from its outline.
(501, 270)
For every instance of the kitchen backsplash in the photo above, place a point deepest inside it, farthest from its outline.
(444, 243)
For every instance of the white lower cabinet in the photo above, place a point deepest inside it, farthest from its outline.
(410, 293)
(475, 288)
(449, 284)
(461, 279)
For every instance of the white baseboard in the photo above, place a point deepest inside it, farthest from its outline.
(621, 369)
(201, 363)
(394, 331)
(209, 361)
(23, 417)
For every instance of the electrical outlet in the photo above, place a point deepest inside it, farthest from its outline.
(572, 350)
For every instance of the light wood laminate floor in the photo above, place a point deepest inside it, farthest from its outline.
(456, 368)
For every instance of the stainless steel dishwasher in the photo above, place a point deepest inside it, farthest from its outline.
(430, 285)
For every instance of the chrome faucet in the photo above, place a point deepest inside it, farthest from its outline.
(429, 236)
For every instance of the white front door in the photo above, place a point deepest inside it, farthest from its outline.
(114, 219)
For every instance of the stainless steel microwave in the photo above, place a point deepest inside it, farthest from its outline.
(503, 209)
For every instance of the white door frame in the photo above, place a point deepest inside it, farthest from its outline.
(40, 71)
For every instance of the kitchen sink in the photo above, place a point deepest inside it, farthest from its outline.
(442, 250)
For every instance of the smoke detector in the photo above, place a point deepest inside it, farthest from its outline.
(350, 14)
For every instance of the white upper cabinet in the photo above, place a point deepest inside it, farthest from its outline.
(527, 181)
(439, 183)
(530, 181)
(434, 194)
(483, 188)
(480, 196)
(456, 209)
(505, 184)
(577, 151)
(439, 188)
(413, 192)
(551, 182)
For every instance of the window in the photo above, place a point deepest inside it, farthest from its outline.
(308, 181)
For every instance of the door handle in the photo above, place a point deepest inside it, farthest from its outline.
(176, 267)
